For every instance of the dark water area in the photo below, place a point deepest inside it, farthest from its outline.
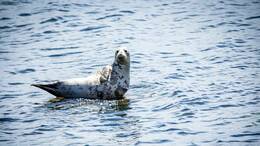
(194, 72)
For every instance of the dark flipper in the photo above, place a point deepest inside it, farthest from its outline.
(51, 88)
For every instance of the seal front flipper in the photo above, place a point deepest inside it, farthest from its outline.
(51, 88)
(119, 92)
(105, 74)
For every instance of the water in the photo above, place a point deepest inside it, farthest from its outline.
(194, 72)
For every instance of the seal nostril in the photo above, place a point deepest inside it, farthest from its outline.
(120, 57)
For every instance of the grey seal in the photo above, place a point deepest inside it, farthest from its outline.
(110, 83)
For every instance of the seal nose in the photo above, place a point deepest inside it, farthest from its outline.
(120, 57)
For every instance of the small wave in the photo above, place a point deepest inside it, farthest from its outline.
(64, 54)
(15, 83)
(165, 53)
(8, 120)
(23, 25)
(32, 133)
(5, 18)
(221, 124)
(143, 86)
(124, 135)
(45, 129)
(189, 133)
(172, 129)
(123, 42)
(253, 17)
(195, 101)
(185, 54)
(28, 70)
(109, 16)
(246, 134)
(175, 93)
(224, 106)
(5, 27)
(208, 49)
(239, 5)
(154, 71)
(5, 52)
(161, 141)
(112, 9)
(135, 62)
(179, 12)
(175, 76)
(63, 10)
(51, 20)
(50, 31)
(164, 107)
(240, 41)
(139, 19)
(81, 5)
(91, 28)
(240, 67)
(25, 14)
(58, 48)
(186, 115)
(92, 12)
(127, 11)
(238, 141)
(9, 3)
(29, 120)
(243, 24)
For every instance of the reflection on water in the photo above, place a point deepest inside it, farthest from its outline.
(102, 105)
(194, 72)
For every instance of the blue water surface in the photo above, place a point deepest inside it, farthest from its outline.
(194, 71)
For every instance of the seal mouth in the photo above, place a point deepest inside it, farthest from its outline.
(121, 59)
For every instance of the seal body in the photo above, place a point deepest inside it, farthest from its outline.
(112, 82)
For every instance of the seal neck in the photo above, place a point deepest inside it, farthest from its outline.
(121, 75)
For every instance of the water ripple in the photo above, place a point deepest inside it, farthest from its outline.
(127, 11)
(51, 20)
(91, 28)
(27, 70)
(64, 54)
(25, 14)
(2, 120)
(253, 17)
(109, 16)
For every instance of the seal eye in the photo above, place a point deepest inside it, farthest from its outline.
(126, 51)
(117, 51)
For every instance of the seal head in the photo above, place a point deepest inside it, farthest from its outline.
(122, 56)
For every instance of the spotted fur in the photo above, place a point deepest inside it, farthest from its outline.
(112, 82)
